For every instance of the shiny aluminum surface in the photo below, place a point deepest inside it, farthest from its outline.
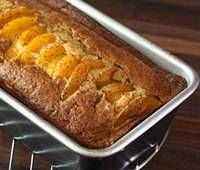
(154, 53)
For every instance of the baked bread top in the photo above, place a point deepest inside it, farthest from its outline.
(87, 83)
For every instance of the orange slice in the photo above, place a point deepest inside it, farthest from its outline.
(23, 40)
(103, 77)
(29, 34)
(35, 46)
(115, 90)
(49, 53)
(48, 57)
(79, 75)
(65, 67)
(12, 14)
(12, 52)
(15, 27)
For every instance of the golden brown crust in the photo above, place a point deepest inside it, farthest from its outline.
(86, 115)
(30, 85)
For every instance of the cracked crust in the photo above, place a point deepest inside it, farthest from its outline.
(86, 115)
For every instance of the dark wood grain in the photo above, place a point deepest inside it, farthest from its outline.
(175, 26)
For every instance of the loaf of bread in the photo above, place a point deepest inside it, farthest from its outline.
(75, 74)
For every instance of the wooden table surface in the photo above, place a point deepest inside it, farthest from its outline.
(175, 26)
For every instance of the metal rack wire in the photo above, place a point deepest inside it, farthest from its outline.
(32, 160)
(139, 165)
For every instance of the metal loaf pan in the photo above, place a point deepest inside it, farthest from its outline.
(134, 149)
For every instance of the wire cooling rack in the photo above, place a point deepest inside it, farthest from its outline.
(33, 156)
